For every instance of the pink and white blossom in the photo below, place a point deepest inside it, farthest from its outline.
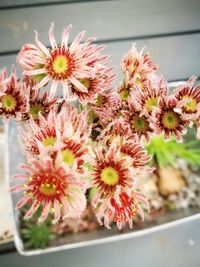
(70, 65)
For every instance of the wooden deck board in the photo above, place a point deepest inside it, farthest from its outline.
(13, 3)
(177, 56)
(106, 20)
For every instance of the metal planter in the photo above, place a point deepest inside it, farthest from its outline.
(14, 158)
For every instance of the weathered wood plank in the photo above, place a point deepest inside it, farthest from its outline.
(18, 3)
(106, 20)
(177, 56)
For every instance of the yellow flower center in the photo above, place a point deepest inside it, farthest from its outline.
(60, 64)
(35, 109)
(48, 189)
(139, 124)
(49, 141)
(86, 83)
(191, 105)
(92, 116)
(109, 176)
(124, 94)
(100, 101)
(139, 82)
(68, 156)
(39, 77)
(9, 103)
(170, 120)
(151, 102)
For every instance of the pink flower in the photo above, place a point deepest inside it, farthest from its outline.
(108, 107)
(133, 148)
(62, 136)
(129, 143)
(95, 86)
(111, 170)
(121, 207)
(14, 96)
(114, 129)
(188, 96)
(41, 137)
(149, 97)
(51, 187)
(168, 119)
(125, 88)
(65, 64)
(137, 121)
(28, 57)
(73, 154)
(75, 142)
(72, 122)
(138, 66)
(115, 179)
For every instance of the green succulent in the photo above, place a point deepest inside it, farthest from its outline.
(36, 235)
(166, 153)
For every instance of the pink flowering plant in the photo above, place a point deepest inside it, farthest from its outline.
(91, 135)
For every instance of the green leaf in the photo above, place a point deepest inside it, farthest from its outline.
(166, 153)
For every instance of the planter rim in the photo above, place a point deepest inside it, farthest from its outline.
(105, 240)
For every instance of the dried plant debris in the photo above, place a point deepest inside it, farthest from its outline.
(174, 187)
(86, 223)
(6, 236)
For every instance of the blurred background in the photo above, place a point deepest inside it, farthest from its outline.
(171, 31)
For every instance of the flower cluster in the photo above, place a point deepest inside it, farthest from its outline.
(138, 67)
(116, 168)
(93, 136)
(56, 151)
(146, 107)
